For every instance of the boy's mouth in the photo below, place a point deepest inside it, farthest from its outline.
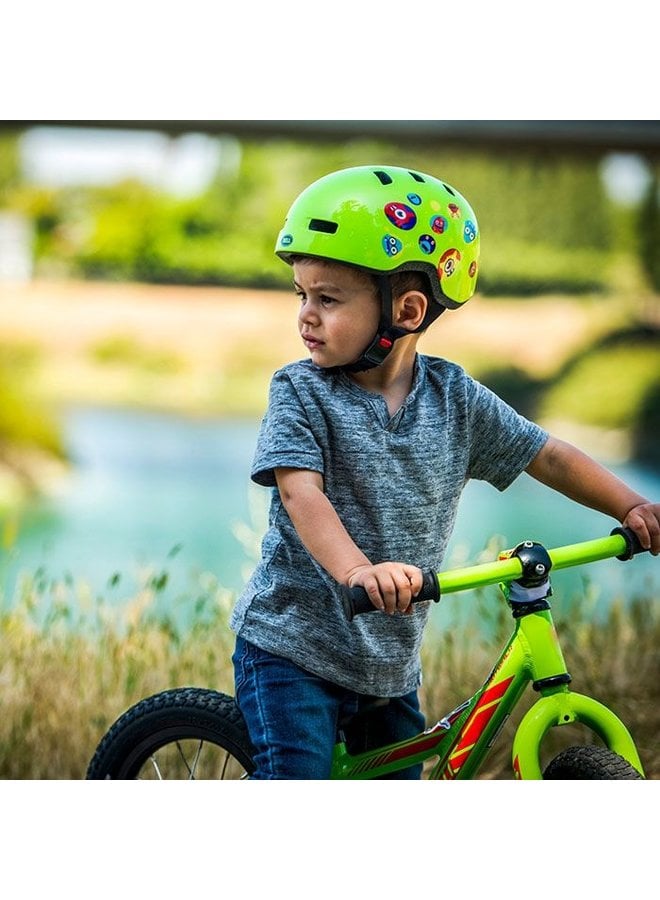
(310, 342)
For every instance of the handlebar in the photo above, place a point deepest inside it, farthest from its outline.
(622, 543)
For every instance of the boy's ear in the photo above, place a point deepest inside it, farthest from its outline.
(410, 309)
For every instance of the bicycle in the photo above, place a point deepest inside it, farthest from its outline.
(199, 733)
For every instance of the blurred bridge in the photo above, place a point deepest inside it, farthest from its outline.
(550, 136)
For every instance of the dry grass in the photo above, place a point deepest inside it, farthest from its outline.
(69, 667)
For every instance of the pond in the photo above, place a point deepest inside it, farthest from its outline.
(157, 493)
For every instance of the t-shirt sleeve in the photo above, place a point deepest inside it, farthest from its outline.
(285, 438)
(503, 442)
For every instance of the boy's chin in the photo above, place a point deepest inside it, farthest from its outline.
(329, 366)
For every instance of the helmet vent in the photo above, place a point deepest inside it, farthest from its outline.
(447, 188)
(323, 225)
(383, 177)
(417, 177)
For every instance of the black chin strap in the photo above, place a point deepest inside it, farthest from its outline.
(381, 346)
(378, 350)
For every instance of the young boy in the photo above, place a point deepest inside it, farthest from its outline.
(368, 446)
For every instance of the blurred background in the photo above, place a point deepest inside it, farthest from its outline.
(142, 313)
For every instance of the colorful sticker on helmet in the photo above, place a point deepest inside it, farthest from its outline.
(438, 224)
(392, 245)
(454, 210)
(401, 215)
(472, 271)
(427, 243)
(415, 199)
(448, 263)
(469, 231)
(286, 240)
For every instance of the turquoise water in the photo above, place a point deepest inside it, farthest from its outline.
(152, 493)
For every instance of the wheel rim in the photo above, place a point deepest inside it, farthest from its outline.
(184, 753)
(189, 760)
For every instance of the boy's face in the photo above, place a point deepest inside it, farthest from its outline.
(339, 311)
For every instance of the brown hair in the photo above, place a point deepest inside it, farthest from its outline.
(407, 280)
(400, 282)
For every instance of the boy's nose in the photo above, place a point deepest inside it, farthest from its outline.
(308, 313)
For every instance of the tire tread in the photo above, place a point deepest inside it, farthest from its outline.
(189, 707)
(590, 763)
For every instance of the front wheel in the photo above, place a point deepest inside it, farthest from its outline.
(589, 763)
(185, 733)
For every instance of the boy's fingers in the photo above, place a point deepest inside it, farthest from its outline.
(372, 589)
(388, 591)
(416, 581)
(391, 587)
(644, 522)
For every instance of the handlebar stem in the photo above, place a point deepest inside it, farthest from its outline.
(535, 561)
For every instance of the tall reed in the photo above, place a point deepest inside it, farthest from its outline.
(70, 664)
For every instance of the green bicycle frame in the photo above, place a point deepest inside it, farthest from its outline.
(461, 740)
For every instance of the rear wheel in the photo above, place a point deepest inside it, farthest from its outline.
(185, 733)
(589, 763)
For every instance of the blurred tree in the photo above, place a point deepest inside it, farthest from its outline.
(546, 220)
(649, 231)
(10, 168)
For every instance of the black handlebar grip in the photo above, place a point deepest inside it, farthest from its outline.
(356, 600)
(633, 545)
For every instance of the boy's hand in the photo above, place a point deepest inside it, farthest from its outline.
(644, 520)
(390, 586)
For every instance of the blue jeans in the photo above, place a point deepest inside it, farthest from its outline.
(293, 717)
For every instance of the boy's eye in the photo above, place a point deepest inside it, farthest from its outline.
(323, 299)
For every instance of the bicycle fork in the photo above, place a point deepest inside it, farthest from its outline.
(544, 664)
(563, 708)
(558, 705)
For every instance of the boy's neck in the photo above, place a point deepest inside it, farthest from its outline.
(393, 379)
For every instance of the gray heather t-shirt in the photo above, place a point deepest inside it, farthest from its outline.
(395, 483)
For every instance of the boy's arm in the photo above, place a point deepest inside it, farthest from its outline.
(390, 585)
(570, 471)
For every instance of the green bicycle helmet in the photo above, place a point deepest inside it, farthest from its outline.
(387, 219)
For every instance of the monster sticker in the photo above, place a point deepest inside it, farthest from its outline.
(448, 263)
(392, 245)
(427, 243)
(469, 231)
(438, 224)
(401, 215)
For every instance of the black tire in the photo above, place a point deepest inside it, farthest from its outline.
(185, 733)
(589, 763)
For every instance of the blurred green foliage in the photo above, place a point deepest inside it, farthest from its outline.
(608, 385)
(546, 221)
(547, 225)
(649, 232)
(615, 385)
(23, 422)
(10, 166)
